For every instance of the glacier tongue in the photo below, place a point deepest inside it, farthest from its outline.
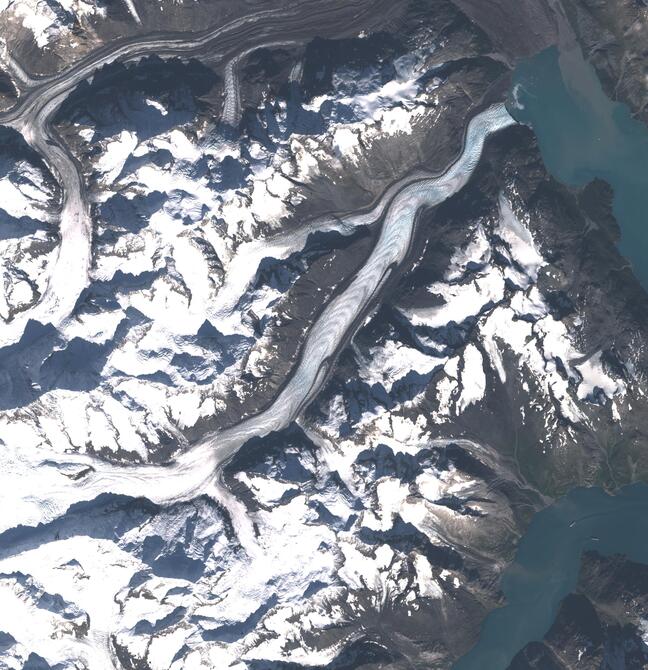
(251, 607)
(251, 400)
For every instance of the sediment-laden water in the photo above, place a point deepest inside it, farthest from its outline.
(547, 563)
(582, 134)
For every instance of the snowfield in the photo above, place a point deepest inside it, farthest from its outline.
(150, 515)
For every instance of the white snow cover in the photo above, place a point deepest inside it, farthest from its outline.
(117, 151)
(476, 252)
(594, 377)
(520, 323)
(473, 379)
(261, 584)
(39, 17)
(23, 192)
(179, 301)
(392, 362)
(246, 598)
(393, 108)
(204, 245)
(28, 243)
(519, 240)
(516, 319)
(345, 141)
(91, 578)
(460, 300)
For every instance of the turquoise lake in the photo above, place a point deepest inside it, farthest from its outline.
(582, 134)
(547, 562)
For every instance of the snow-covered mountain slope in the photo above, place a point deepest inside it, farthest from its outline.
(28, 207)
(340, 336)
(174, 587)
(180, 304)
(49, 21)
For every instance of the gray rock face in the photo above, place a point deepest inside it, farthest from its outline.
(613, 37)
(296, 334)
(600, 626)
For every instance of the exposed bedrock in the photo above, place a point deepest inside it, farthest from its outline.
(601, 625)
(516, 32)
